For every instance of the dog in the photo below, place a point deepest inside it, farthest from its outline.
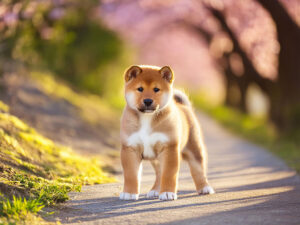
(159, 124)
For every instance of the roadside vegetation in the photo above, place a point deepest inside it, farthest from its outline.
(68, 50)
(258, 130)
(35, 172)
(93, 108)
(69, 41)
(66, 39)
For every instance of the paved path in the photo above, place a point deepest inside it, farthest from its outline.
(253, 187)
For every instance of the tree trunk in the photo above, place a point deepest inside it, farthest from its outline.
(231, 79)
(285, 96)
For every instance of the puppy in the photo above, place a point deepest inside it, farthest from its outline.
(158, 124)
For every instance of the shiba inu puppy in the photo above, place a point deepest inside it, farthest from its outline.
(158, 124)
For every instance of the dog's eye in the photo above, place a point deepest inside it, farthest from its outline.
(140, 89)
(156, 89)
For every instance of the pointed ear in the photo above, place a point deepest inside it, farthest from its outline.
(132, 72)
(167, 73)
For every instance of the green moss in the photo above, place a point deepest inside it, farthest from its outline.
(4, 107)
(30, 149)
(12, 121)
(35, 167)
(258, 130)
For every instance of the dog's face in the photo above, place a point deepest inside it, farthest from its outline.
(148, 89)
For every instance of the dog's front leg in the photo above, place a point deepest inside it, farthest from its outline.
(170, 160)
(131, 163)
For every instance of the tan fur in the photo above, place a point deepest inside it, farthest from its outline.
(174, 120)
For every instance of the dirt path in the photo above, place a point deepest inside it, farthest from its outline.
(253, 187)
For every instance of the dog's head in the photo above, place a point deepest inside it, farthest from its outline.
(148, 88)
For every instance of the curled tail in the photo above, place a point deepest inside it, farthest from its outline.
(181, 97)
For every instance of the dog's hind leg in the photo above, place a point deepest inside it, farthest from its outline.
(195, 154)
(154, 192)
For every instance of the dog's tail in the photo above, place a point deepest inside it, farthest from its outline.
(181, 97)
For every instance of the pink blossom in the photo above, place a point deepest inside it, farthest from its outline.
(57, 13)
(10, 19)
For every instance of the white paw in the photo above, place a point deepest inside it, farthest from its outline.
(206, 190)
(128, 196)
(152, 194)
(168, 196)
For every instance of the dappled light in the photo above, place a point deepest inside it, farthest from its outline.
(63, 89)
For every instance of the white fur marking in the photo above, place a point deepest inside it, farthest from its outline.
(128, 196)
(168, 196)
(166, 98)
(130, 99)
(206, 190)
(152, 194)
(145, 138)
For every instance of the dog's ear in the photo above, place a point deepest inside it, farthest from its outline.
(132, 72)
(167, 73)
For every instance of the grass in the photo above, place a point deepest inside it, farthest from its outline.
(258, 130)
(100, 112)
(19, 208)
(92, 107)
(36, 172)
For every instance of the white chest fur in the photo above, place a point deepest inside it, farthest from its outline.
(145, 137)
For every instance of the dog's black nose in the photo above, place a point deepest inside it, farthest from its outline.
(148, 101)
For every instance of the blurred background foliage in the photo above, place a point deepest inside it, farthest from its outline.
(245, 54)
(65, 38)
(60, 46)
(231, 49)
(241, 53)
(234, 47)
(61, 66)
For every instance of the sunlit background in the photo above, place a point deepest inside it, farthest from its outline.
(61, 98)
(239, 60)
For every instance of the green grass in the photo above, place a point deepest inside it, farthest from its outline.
(93, 108)
(19, 208)
(258, 130)
(36, 172)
